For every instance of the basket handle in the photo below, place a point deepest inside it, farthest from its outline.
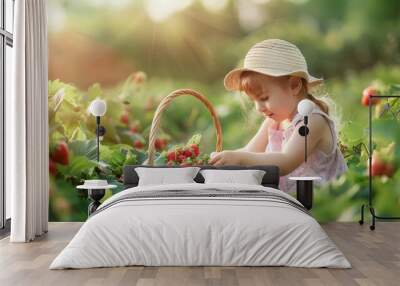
(163, 105)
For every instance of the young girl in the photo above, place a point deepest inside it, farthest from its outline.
(276, 78)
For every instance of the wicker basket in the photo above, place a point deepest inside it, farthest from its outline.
(163, 105)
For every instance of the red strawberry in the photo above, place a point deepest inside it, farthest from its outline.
(181, 158)
(187, 153)
(134, 129)
(367, 93)
(124, 119)
(60, 153)
(377, 165)
(159, 144)
(171, 156)
(52, 167)
(195, 149)
(138, 144)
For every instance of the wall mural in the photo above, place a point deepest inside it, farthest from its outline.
(133, 53)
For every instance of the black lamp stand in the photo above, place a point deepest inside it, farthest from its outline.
(303, 131)
(100, 131)
(304, 188)
(95, 195)
(370, 203)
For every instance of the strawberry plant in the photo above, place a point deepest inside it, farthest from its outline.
(184, 154)
(73, 148)
(60, 153)
(351, 189)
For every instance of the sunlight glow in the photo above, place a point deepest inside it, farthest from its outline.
(160, 10)
(108, 3)
(261, 1)
(56, 16)
(250, 15)
(214, 6)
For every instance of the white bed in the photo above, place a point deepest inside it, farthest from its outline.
(269, 229)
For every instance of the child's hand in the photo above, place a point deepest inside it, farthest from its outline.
(224, 158)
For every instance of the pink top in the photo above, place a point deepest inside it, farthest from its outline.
(326, 166)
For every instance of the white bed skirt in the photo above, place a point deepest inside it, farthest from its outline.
(200, 232)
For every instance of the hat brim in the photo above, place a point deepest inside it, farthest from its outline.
(232, 79)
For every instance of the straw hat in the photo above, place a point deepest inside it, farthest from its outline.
(273, 57)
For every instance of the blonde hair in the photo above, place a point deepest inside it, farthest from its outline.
(247, 85)
(320, 103)
(318, 94)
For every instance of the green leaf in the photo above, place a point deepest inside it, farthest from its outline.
(77, 167)
(353, 131)
(131, 158)
(160, 161)
(94, 91)
(84, 148)
(78, 134)
(394, 87)
(386, 128)
(140, 156)
(195, 139)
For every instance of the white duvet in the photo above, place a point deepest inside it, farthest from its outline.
(200, 231)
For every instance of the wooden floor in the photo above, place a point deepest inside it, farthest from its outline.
(374, 255)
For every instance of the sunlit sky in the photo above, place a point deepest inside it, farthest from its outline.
(249, 14)
(160, 10)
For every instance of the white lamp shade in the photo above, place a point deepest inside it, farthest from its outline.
(98, 107)
(305, 107)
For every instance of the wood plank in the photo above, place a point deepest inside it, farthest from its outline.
(375, 257)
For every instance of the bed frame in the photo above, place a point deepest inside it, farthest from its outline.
(270, 179)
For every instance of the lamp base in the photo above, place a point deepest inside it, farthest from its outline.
(304, 193)
(95, 196)
(374, 217)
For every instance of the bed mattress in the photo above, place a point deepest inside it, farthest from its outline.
(201, 225)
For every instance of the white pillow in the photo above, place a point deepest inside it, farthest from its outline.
(163, 176)
(249, 177)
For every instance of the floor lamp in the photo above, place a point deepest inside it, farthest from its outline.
(304, 185)
(370, 203)
(97, 108)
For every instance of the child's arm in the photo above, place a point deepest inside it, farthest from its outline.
(291, 156)
(260, 140)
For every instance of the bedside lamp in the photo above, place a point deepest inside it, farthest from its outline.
(304, 185)
(305, 108)
(98, 108)
(96, 188)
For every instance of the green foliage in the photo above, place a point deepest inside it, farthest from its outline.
(196, 44)
(352, 44)
(70, 122)
(347, 192)
(342, 198)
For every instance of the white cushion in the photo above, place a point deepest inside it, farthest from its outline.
(249, 177)
(164, 176)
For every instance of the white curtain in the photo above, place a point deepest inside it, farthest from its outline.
(27, 124)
